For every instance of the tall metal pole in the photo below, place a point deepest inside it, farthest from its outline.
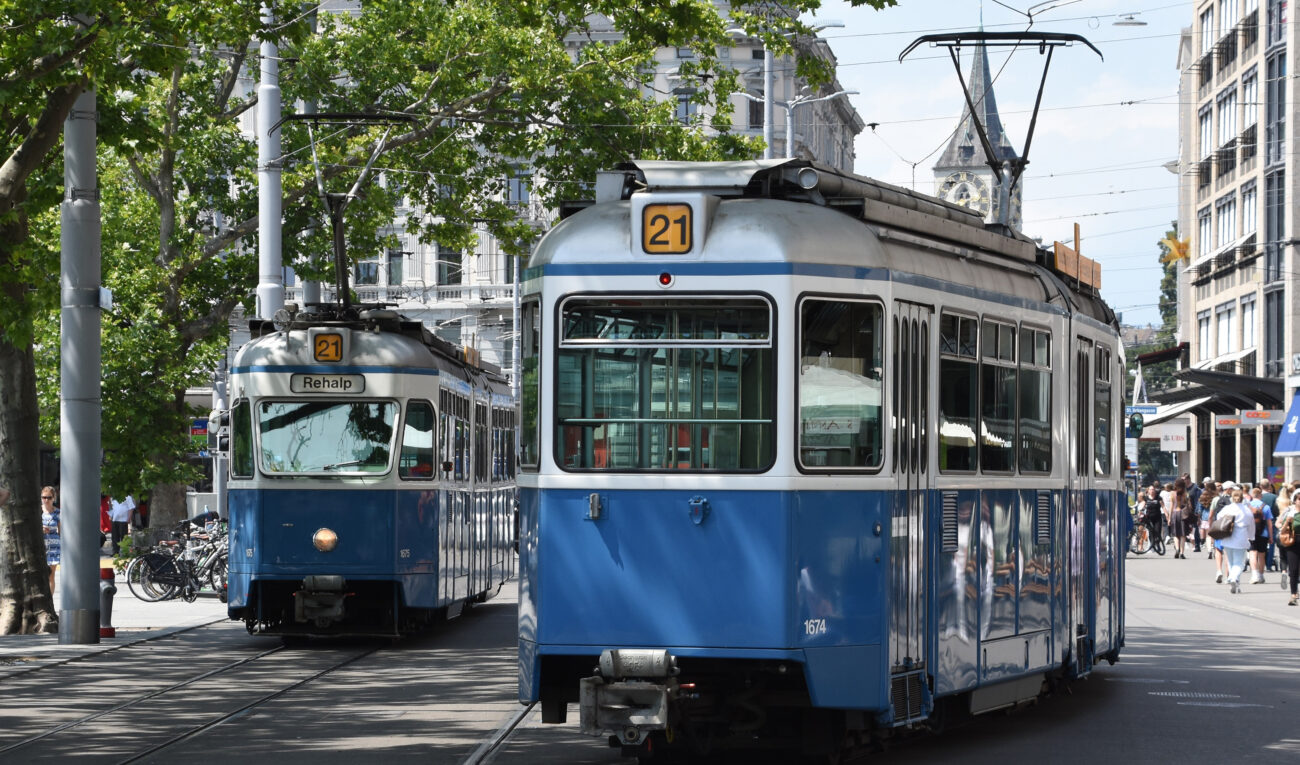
(220, 403)
(79, 369)
(769, 100)
(270, 286)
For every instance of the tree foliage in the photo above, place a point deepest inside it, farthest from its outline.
(476, 89)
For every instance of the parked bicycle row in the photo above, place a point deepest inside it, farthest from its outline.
(194, 558)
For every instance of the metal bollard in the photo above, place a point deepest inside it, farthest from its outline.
(107, 589)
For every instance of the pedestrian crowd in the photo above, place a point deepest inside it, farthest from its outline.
(1242, 528)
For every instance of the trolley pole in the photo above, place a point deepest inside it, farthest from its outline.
(79, 369)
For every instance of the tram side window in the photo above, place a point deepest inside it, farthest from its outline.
(646, 383)
(530, 388)
(997, 433)
(1035, 419)
(480, 443)
(840, 368)
(958, 393)
(416, 460)
(241, 439)
(1101, 408)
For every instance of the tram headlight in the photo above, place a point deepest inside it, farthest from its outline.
(325, 539)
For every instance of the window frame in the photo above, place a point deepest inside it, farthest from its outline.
(885, 415)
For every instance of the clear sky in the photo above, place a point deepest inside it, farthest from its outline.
(1105, 131)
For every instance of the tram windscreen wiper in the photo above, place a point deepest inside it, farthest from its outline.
(349, 463)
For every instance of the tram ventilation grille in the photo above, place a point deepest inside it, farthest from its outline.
(949, 521)
(905, 693)
(1043, 521)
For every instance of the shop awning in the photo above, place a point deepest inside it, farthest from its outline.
(1171, 411)
(1288, 442)
(1206, 260)
(1238, 391)
(1172, 353)
(1224, 358)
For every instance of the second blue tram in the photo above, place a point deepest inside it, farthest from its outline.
(807, 460)
(371, 476)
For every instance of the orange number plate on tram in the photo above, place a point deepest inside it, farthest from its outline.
(666, 229)
(328, 347)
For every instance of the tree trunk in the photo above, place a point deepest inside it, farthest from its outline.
(26, 604)
(167, 505)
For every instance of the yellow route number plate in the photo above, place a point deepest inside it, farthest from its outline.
(328, 347)
(666, 229)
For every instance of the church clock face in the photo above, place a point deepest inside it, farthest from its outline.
(966, 189)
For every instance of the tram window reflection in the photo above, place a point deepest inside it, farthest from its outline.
(840, 370)
(958, 393)
(416, 458)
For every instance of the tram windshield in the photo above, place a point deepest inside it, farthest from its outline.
(648, 383)
(331, 437)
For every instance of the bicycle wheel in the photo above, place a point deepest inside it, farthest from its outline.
(1157, 541)
(1140, 541)
(160, 576)
(141, 579)
(217, 574)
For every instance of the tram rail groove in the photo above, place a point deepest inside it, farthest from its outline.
(92, 654)
(198, 730)
(132, 702)
(488, 748)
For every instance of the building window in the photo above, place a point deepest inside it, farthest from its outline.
(1277, 15)
(1225, 211)
(1250, 97)
(685, 53)
(517, 188)
(1249, 211)
(1274, 220)
(396, 267)
(1203, 336)
(449, 267)
(1207, 30)
(1274, 333)
(1229, 12)
(1275, 108)
(1205, 120)
(366, 273)
(1204, 233)
(1225, 317)
(756, 113)
(1227, 116)
(685, 109)
(1248, 322)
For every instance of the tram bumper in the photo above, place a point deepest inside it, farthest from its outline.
(320, 601)
(630, 696)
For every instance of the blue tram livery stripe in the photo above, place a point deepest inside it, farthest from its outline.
(331, 369)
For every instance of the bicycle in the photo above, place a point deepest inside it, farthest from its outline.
(1147, 534)
(181, 567)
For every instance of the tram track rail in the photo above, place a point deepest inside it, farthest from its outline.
(51, 741)
(6, 676)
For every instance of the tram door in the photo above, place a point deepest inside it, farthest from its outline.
(1078, 523)
(910, 450)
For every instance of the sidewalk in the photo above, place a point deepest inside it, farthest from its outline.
(134, 620)
(1193, 579)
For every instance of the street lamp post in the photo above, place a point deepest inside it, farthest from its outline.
(769, 85)
(789, 115)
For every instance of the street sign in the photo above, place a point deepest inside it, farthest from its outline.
(1143, 409)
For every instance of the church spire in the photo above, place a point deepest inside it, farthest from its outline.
(965, 149)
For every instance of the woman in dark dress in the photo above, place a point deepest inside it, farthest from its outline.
(1180, 517)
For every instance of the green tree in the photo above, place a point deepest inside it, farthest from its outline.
(53, 52)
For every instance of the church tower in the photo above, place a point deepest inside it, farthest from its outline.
(962, 174)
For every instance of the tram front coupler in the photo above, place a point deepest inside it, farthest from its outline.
(320, 601)
(629, 697)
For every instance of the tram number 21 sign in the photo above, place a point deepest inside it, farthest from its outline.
(666, 229)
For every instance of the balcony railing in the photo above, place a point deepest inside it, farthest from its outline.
(469, 295)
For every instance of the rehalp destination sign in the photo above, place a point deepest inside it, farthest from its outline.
(310, 383)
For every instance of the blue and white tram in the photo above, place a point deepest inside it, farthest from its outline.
(808, 460)
(371, 476)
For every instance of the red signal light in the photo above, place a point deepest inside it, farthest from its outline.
(665, 279)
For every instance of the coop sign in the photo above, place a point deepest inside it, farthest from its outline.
(313, 383)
